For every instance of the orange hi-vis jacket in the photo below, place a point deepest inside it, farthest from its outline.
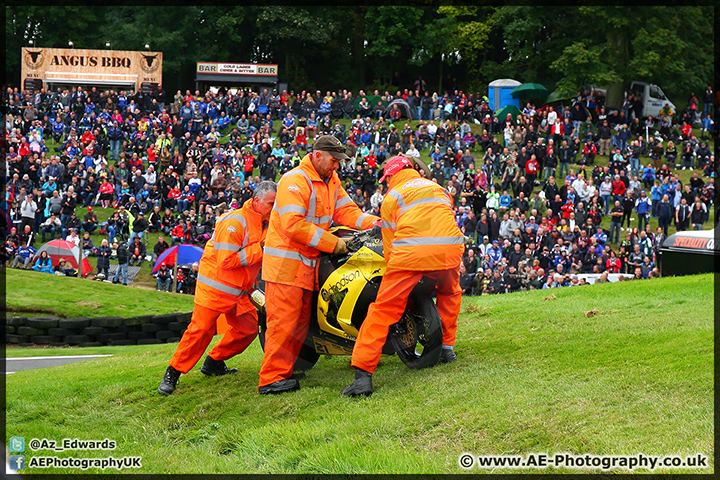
(418, 226)
(231, 261)
(304, 208)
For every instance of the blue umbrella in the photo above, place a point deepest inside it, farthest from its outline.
(182, 253)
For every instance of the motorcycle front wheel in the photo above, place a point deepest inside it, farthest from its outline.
(417, 337)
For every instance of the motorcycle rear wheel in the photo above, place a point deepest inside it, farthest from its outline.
(417, 337)
(308, 356)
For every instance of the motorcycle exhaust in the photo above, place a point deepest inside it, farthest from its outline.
(257, 298)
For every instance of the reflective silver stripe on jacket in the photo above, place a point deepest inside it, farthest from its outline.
(243, 258)
(312, 203)
(398, 198)
(315, 240)
(342, 202)
(405, 242)
(422, 201)
(359, 222)
(219, 286)
(276, 252)
(290, 208)
(318, 220)
(392, 225)
(231, 247)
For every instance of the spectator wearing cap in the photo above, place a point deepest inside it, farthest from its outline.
(90, 220)
(137, 252)
(495, 253)
(24, 255)
(140, 224)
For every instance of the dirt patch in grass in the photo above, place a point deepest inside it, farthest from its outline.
(88, 303)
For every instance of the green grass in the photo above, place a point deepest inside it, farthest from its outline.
(533, 375)
(30, 293)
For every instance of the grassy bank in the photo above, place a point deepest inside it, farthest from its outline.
(609, 369)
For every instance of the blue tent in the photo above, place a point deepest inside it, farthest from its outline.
(182, 253)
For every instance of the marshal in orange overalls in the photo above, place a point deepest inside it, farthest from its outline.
(420, 238)
(228, 269)
(305, 206)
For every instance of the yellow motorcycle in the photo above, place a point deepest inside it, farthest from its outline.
(349, 283)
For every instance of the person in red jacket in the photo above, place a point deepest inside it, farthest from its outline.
(173, 196)
(531, 170)
(420, 240)
(618, 188)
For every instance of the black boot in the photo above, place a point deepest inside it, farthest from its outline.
(167, 386)
(362, 385)
(215, 367)
(281, 386)
(447, 356)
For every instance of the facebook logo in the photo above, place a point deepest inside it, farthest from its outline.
(17, 444)
(17, 462)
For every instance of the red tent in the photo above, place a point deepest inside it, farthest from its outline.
(72, 254)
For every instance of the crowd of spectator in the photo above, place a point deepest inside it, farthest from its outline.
(173, 165)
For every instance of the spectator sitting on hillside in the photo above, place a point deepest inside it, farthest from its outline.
(164, 278)
(137, 252)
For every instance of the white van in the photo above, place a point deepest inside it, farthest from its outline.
(652, 98)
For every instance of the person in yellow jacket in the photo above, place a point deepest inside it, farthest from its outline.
(420, 239)
(228, 269)
(309, 198)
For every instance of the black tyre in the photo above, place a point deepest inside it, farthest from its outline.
(141, 320)
(42, 322)
(16, 321)
(177, 326)
(10, 329)
(108, 338)
(74, 322)
(149, 341)
(61, 332)
(139, 336)
(93, 331)
(184, 317)
(150, 328)
(107, 322)
(173, 340)
(308, 356)
(164, 319)
(90, 344)
(16, 339)
(30, 331)
(123, 342)
(417, 337)
(44, 339)
(77, 339)
(165, 334)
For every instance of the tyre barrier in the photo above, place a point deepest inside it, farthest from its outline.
(95, 332)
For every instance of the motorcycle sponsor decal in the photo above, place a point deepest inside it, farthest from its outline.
(327, 347)
(346, 279)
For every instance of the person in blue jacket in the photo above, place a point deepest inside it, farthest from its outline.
(642, 208)
(43, 263)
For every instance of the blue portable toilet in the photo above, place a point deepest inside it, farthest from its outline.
(499, 93)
